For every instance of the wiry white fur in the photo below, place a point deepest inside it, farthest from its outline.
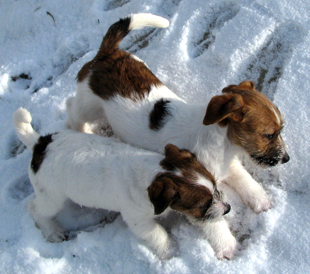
(101, 172)
(273, 109)
(141, 20)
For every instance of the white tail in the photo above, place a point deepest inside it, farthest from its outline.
(118, 31)
(22, 119)
(141, 20)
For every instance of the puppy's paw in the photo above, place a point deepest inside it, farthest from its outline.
(260, 202)
(58, 236)
(171, 251)
(229, 250)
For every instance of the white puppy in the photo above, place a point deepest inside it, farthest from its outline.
(118, 90)
(101, 172)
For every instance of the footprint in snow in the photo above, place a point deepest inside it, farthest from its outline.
(267, 66)
(168, 8)
(114, 4)
(209, 25)
(140, 39)
(20, 189)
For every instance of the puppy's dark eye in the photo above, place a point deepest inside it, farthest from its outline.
(270, 136)
(206, 205)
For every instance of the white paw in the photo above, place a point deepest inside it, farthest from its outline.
(58, 236)
(260, 202)
(171, 250)
(229, 251)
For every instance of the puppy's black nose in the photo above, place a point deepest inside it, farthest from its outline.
(227, 209)
(285, 158)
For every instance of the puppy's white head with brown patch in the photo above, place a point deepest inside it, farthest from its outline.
(187, 187)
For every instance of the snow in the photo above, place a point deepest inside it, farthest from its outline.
(209, 45)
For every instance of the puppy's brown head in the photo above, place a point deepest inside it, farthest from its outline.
(254, 123)
(186, 187)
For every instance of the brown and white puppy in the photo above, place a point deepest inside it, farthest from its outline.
(117, 89)
(101, 172)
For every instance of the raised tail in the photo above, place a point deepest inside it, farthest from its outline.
(120, 29)
(25, 132)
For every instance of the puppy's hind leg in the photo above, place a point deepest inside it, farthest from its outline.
(85, 110)
(86, 114)
(76, 119)
(44, 212)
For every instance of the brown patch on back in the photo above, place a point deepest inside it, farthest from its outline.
(118, 74)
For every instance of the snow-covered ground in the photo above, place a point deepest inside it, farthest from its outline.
(209, 45)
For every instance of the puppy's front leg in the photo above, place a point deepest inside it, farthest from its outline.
(250, 191)
(155, 236)
(219, 236)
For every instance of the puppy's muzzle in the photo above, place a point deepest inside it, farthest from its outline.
(227, 209)
(217, 212)
(285, 158)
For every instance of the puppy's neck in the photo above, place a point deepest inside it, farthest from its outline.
(210, 143)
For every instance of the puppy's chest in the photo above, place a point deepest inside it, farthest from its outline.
(215, 161)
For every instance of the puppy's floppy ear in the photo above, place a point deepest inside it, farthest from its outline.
(243, 85)
(247, 85)
(229, 88)
(162, 192)
(171, 151)
(229, 105)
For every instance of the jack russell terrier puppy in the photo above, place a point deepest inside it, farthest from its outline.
(117, 89)
(102, 172)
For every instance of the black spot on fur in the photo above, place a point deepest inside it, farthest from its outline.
(39, 151)
(158, 114)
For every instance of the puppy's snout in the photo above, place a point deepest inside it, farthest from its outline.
(227, 209)
(285, 158)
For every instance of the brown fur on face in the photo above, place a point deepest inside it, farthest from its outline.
(254, 123)
(182, 193)
(186, 162)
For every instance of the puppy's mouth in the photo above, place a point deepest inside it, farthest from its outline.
(216, 211)
(270, 160)
(265, 161)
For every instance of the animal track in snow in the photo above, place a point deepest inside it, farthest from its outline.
(67, 53)
(267, 66)
(114, 4)
(20, 189)
(169, 8)
(212, 22)
(141, 39)
(14, 146)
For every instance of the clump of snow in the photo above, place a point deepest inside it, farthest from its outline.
(208, 45)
